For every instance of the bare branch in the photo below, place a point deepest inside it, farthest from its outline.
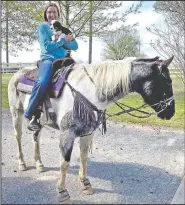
(72, 21)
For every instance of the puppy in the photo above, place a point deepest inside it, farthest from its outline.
(58, 30)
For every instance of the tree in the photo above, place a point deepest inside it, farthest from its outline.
(92, 18)
(171, 38)
(22, 18)
(121, 43)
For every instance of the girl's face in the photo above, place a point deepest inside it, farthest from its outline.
(52, 13)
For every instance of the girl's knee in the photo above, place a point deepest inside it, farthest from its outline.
(43, 84)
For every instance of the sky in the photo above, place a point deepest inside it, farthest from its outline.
(146, 18)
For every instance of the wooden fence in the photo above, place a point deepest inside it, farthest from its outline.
(14, 67)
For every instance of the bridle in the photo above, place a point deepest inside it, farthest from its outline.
(163, 104)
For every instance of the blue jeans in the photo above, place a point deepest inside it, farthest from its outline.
(39, 88)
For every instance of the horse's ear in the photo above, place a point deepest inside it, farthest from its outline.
(167, 62)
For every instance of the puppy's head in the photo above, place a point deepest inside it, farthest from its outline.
(56, 27)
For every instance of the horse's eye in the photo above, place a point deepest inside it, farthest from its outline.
(169, 81)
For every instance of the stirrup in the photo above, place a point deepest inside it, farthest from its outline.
(34, 124)
(52, 122)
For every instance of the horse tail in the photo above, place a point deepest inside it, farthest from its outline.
(13, 93)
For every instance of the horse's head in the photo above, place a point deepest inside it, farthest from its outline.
(152, 80)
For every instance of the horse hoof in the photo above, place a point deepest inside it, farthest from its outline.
(22, 167)
(63, 197)
(86, 187)
(88, 191)
(41, 168)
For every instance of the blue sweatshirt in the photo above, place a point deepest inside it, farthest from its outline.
(51, 49)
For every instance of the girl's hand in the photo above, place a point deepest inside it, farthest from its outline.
(62, 35)
(69, 37)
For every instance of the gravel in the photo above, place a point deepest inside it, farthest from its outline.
(131, 164)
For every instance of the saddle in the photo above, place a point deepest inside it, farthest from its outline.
(57, 64)
(61, 69)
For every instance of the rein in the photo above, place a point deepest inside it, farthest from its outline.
(163, 104)
(128, 111)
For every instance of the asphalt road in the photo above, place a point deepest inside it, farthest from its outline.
(129, 165)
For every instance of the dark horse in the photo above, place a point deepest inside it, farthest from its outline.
(89, 91)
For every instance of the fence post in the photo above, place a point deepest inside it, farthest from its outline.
(2, 67)
(6, 68)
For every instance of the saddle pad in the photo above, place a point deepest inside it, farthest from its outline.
(32, 74)
(55, 88)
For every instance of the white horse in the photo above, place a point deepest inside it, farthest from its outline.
(101, 84)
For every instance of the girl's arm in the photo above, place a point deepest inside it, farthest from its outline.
(45, 38)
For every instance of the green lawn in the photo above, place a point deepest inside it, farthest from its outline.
(135, 100)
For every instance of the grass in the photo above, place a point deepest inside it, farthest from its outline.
(4, 96)
(134, 100)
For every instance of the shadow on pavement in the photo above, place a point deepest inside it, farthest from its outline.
(111, 182)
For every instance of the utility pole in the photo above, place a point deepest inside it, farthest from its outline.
(7, 49)
(139, 49)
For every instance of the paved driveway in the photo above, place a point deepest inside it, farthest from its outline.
(130, 164)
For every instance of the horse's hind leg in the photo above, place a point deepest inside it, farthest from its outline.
(17, 125)
(38, 161)
(85, 143)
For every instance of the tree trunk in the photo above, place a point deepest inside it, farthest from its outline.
(90, 33)
(66, 14)
(7, 49)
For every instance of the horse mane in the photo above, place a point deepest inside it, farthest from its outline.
(147, 59)
(108, 76)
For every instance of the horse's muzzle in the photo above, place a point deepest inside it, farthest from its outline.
(168, 112)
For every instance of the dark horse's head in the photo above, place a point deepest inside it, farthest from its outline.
(151, 79)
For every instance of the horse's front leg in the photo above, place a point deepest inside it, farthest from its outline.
(85, 143)
(66, 146)
(38, 161)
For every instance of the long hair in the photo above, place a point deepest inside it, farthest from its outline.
(46, 8)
